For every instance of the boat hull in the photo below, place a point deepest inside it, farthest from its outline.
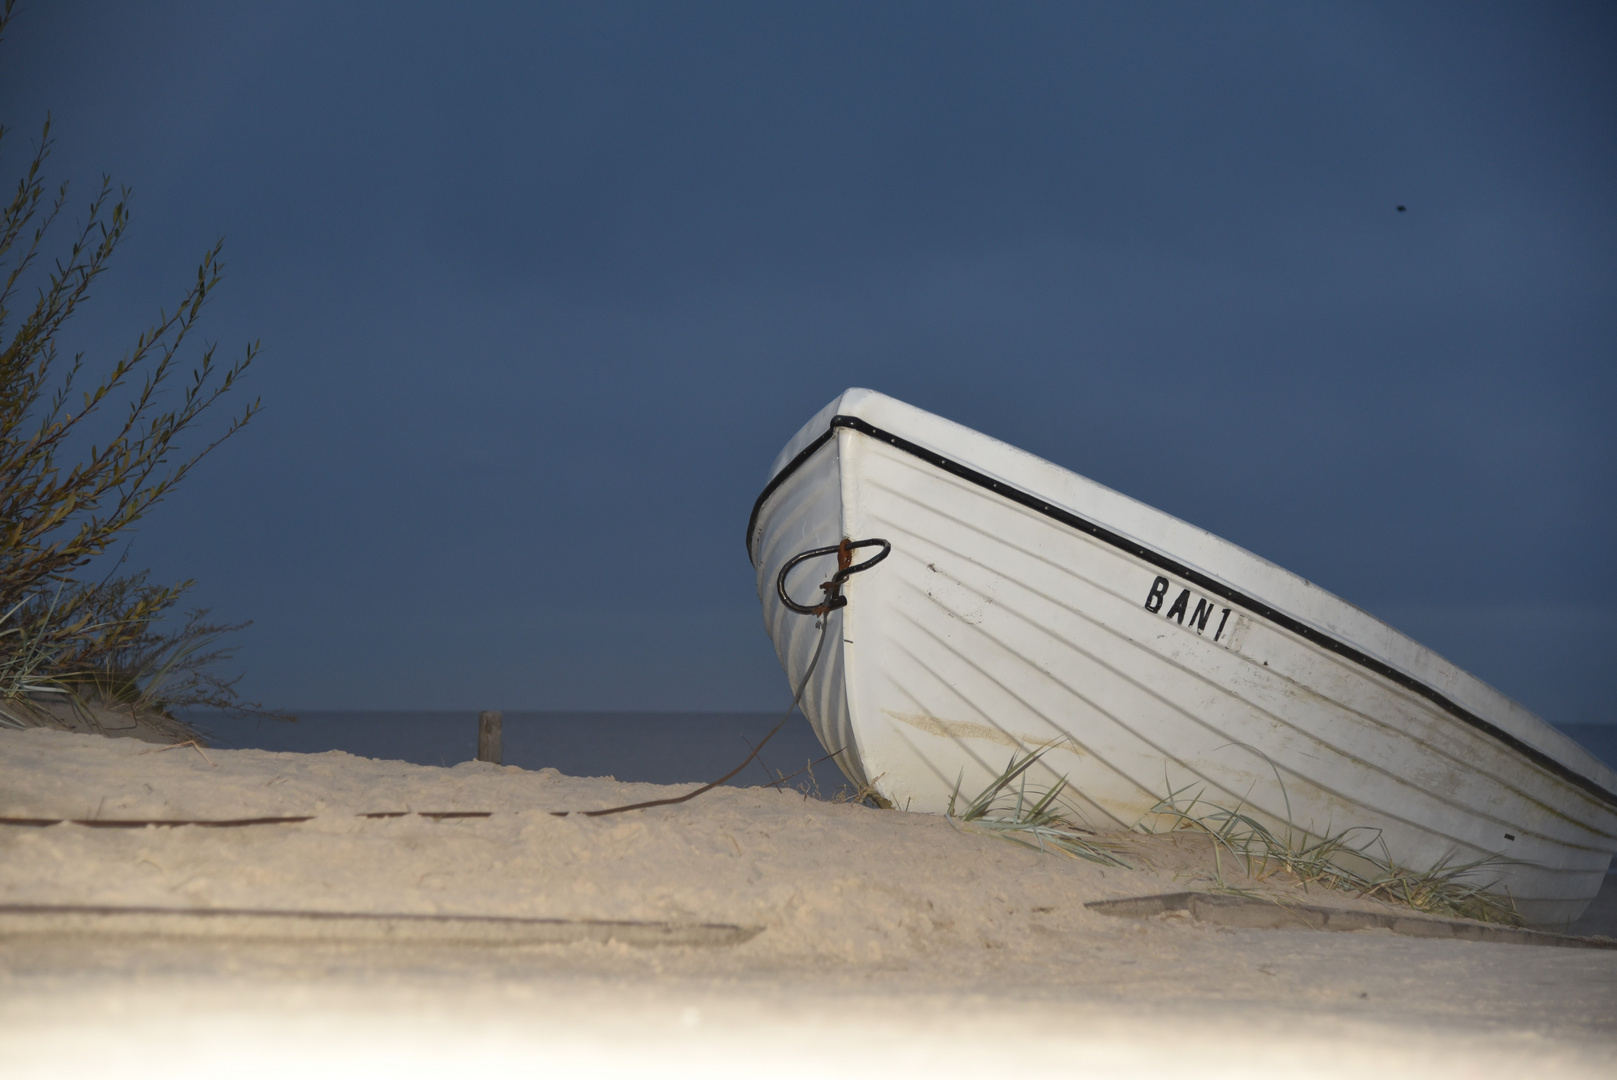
(1026, 608)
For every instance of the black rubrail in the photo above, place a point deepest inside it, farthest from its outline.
(781, 477)
(1201, 581)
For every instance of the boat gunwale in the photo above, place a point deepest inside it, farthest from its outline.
(1203, 581)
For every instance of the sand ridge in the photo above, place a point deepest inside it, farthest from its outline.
(853, 902)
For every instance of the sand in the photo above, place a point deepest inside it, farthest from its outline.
(888, 941)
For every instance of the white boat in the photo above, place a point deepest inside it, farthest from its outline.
(1024, 607)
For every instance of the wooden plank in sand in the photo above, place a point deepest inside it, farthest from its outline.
(57, 921)
(1252, 912)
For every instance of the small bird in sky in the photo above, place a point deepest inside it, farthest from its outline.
(1401, 209)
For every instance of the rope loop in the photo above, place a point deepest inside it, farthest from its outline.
(845, 569)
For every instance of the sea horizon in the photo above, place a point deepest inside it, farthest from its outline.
(661, 747)
(642, 746)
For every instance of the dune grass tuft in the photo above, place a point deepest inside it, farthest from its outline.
(1354, 861)
(1006, 808)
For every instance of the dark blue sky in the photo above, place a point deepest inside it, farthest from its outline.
(543, 289)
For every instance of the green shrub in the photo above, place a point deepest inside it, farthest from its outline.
(84, 458)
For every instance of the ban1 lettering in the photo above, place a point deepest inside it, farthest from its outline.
(1180, 609)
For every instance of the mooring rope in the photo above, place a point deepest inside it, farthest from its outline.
(833, 600)
(801, 686)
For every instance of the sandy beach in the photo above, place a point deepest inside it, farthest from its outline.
(860, 939)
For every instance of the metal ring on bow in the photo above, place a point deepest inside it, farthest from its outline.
(833, 588)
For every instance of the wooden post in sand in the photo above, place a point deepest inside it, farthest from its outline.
(488, 737)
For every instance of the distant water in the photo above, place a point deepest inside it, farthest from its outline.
(648, 747)
(652, 747)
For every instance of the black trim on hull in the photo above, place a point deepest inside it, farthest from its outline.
(1201, 581)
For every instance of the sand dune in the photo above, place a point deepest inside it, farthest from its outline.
(885, 940)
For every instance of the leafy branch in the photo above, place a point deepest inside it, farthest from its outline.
(67, 496)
